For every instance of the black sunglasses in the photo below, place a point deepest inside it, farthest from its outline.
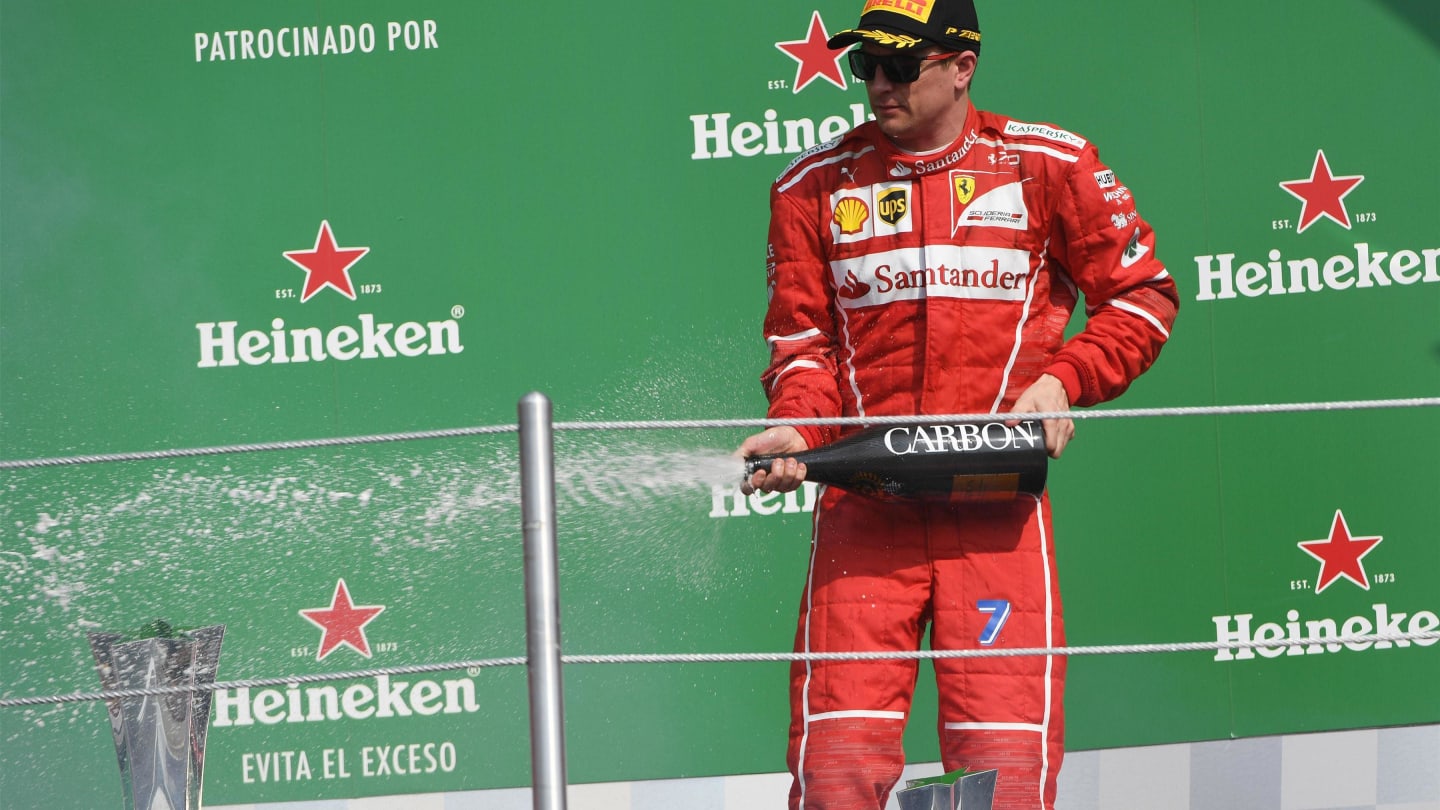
(899, 68)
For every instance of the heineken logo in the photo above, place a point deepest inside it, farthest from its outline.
(1322, 633)
(1220, 277)
(776, 132)
(223, 344)
(343, 622)
(378, 699)
(1225, 275)
(814, 58)
(718, 136)
(327, 266)
(1322, 194)
(1340, 556)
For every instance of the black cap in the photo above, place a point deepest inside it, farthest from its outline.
(901, 24)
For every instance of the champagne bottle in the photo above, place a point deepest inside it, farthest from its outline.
(972, 461)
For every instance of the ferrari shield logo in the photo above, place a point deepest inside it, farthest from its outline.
(964, 187)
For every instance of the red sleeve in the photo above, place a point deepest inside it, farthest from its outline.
(1109, 252)
(800, 380)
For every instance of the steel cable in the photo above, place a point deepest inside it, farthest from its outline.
(1403, 639)
(691, 424)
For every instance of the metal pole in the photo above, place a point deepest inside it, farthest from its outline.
(542, 603)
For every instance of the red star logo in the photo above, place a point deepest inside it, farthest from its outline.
(342, 622)
(326, 265)
(1323, 194)
(1340, 555)
(815, 57)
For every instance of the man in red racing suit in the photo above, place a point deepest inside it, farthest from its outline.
(909, 282)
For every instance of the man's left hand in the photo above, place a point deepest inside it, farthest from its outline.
(1047, 395)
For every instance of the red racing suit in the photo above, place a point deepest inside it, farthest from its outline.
(942, 283)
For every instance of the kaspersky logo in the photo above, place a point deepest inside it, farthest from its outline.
(1341, 556)
(329, 269)
(816, 66)
(1318, 196)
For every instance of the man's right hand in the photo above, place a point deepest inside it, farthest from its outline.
(785, 474)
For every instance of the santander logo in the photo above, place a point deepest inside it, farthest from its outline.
(944, 271)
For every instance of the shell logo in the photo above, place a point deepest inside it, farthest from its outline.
(851, 214)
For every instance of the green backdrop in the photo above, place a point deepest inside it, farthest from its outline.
(547, 204)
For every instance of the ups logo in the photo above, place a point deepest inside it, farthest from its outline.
(893, 205)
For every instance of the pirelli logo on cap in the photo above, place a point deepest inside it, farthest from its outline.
(914, 9)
